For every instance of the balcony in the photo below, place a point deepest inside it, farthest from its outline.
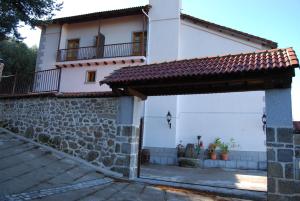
(36, 82)
(106, 51)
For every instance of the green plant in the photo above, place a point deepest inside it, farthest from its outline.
(224, 147)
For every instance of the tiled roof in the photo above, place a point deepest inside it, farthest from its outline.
(230, 31)
(101, 15)
(262, 61)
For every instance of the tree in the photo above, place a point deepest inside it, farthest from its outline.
(29, 12)
(17, 57)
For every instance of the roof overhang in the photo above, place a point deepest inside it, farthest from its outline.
(192, 80)
(204, 85)
(98, 15)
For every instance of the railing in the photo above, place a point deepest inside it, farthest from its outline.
(37, 82)
(106, 51)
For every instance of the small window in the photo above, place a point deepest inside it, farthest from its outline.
(90, 76)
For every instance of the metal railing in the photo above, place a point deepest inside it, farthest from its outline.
(36, 82)
(106, 51)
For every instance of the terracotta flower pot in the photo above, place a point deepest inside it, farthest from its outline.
(224, 156)
(213, 156)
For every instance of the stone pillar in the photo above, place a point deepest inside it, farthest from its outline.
(282, 184)
(130, 112)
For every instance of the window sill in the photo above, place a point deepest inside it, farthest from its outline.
(89, 82)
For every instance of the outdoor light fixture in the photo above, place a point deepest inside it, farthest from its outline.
(264, 121)
(169, 118)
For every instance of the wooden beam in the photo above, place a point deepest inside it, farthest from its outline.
(136, 93)
(117, 91)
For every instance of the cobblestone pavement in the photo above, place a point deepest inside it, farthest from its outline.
(28, 172)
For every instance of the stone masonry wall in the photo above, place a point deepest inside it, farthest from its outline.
(83, 127)
(283, 147)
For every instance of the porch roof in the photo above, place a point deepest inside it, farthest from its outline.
(246, 71)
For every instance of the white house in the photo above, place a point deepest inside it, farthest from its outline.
(89, 47)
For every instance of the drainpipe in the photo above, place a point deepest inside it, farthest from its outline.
(148, 38)
(147, 62)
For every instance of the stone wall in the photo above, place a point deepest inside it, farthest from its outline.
(87, 128)
(283, 153)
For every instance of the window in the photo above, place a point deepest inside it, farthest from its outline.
(139, 41)
(90, 77)
(72, 47)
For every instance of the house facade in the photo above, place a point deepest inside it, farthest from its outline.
(87, 48)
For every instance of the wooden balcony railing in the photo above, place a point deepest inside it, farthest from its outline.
(36, 82)
(106, 51)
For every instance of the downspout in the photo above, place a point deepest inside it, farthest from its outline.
(147, 62)
(148, 37)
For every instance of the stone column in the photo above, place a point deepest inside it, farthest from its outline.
(282, 183)
(130, 112)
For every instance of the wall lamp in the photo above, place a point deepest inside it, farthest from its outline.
(264, 121)
(169, 119)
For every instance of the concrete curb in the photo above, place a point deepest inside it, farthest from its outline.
(226, 192)
(96, 168)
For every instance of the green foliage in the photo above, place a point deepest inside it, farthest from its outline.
(18, 58)
(29, 12)
(226, 146)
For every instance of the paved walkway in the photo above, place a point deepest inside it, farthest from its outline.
(227, 178)
(28, 172)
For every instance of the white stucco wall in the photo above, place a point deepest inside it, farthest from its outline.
(164, 30)
(116, 30)
(157, 132)
(233, 115)
(48, 47)
(226, 115)
(73, 79)
(197, 41)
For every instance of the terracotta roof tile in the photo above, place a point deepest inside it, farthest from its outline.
(200, 67)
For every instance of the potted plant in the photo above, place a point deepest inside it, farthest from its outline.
(212, 148)
(212, 151)
(180, 150)
(225, 148)
(224, 151)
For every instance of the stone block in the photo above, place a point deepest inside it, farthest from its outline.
(126, 148)
(242, 165)
(230, 164)
(288, 187)
(289, 171)
(285, 155)
(252, 165)
(221, 164)
(297, 139)
(29, 133)
(276, 197)
(43, 138)
(270, 135)
(127, 131)
(92, 155)
(117, 148)
(271, 154)
(297, 153)
(275, 170)
(285, 135)
(271, 185)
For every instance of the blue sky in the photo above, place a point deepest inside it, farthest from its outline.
(277, 20)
